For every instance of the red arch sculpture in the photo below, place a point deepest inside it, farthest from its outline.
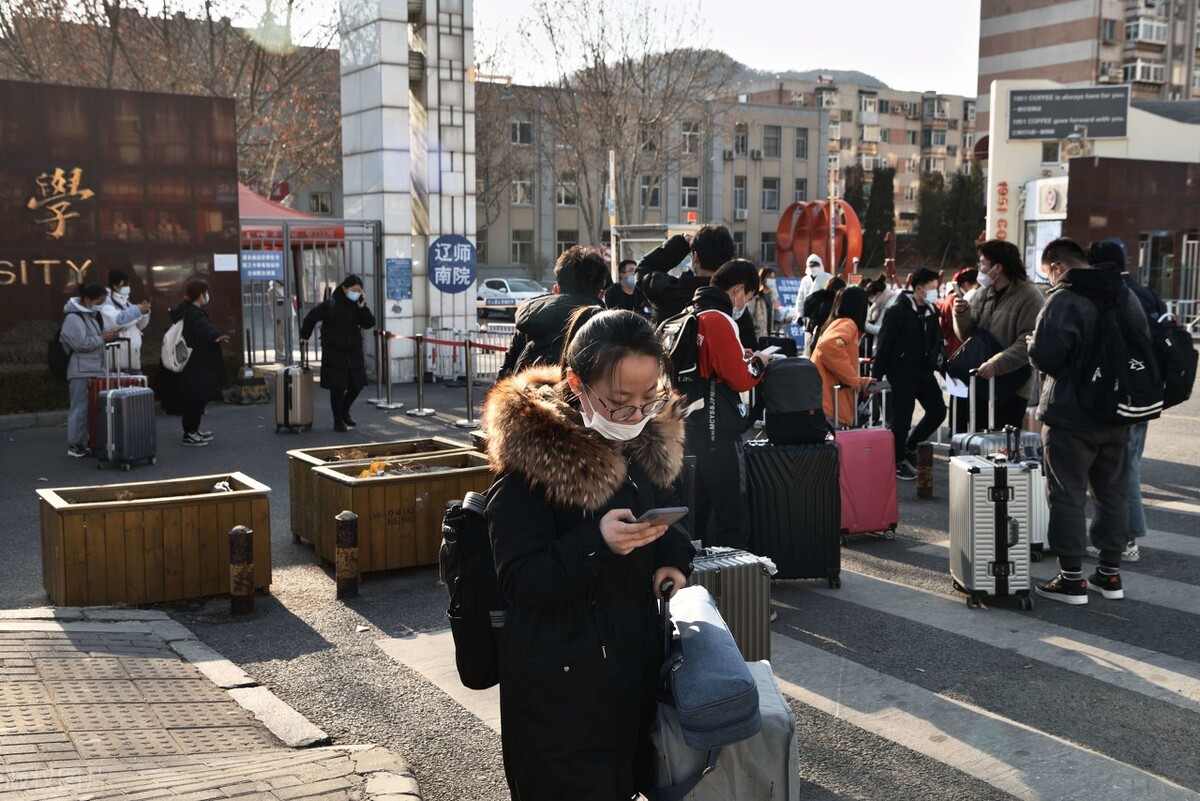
(804, 229)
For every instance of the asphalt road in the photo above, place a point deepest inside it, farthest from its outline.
(899, 690)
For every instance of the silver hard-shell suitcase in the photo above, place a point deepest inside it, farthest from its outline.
(740, 582)
(294, 396)
(989, 529)
(127, 430)
(766, 766)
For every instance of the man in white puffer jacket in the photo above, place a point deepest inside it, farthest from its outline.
(129, 320)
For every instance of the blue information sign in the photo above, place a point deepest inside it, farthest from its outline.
(452, 264)
(262, 265)
(787, 288)
(399, 279)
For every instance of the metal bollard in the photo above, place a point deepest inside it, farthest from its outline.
(241, 571)
(386, 337)
(378, 399)
(346, 566)
(925, 471)
(420, 410)
(469, 365)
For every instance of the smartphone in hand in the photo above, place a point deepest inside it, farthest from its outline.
(663, 516)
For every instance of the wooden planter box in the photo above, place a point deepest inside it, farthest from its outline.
(399, 517)
(149, 541)
(302, 485)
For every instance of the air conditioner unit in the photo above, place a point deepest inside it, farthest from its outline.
(741, 214)
(756, 154)
(727, 155)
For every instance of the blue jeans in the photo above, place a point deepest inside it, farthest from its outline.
(77, 422)
(1137, 512)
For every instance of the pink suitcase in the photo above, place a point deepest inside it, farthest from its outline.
(867, 468)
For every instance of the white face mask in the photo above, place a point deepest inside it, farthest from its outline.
(617, 432)
(354, 297)
(771, 284)
(739, 311)
(813, 270)
(985, 280)
(206, 300)
(124, 291)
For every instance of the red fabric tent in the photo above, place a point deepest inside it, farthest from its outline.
(257, 207)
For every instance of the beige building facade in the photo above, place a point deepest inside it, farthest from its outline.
(1152, 45)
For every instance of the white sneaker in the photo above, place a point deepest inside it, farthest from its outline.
(1130, 554)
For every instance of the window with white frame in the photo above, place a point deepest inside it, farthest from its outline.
(521, 190)
(866, 162)
(932, 138)
(320, 202)
(772, 136)
(565, 239)
(689, 192)
(520, 131)
(739, 192)
(931, 164)
(868, 103)
(1144, 71)
(766, 247)
(1196, 77)
(739, 244)
(910, 137)
(691, 136)
(914, 164)
(884, 135)
(800, 190)
(568, 189)
(481, 245)
(648, 137)
(870, 133)
(522, 246)
(1108, 31)
(650, 191)
(910, 192)
(770, 194)
(801, 143)
(741, 139)
(969, 111)
(1050, 152)
(1146, 30)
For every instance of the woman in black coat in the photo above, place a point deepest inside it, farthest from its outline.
(343, 369)
(203, 377)
(580, 451)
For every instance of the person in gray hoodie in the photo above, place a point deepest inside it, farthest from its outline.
(83, 336)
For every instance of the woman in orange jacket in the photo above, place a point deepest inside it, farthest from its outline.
(836, 354)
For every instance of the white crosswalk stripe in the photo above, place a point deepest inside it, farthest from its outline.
(1013, 755)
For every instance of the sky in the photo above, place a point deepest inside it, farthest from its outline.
(914, 45)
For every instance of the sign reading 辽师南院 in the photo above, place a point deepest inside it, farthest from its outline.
(262, 265)
(1054, 113)
(452, 264)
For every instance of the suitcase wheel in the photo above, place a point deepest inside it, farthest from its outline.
(126, 466)
(835, 582)
(1026, 601)
(1035, 555)
(974, 601)
(153, 460)
(890, 534)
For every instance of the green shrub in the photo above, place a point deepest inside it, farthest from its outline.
(28, 388)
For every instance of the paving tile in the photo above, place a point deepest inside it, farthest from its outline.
(23, 693)
(180, 691)
(47, 737)
(217, 740)
(158, 668)
(104, 717)
(114, 744)
(39, 719)
(109, 691)
(84, 669)
(310, 789)
(194, 716)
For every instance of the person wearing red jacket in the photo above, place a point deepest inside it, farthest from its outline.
(717, 418)
(965, 280)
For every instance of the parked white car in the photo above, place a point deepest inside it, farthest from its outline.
(500, 296)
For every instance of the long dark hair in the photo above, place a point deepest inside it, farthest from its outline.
(193, 290)
(597, 340)
(851, 302)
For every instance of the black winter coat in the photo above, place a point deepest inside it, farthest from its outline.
(541, 330)
(342, 323)
(1065, 326)
(203, 377)
(668, 295)
(910, 344)
(581, 645)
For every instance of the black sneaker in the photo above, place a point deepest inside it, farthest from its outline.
(194, 440)
(204, 435)
(1108, 586)
(340, 427)
(349, 421)
(1063, 590)
(905, 472)
(77, 451)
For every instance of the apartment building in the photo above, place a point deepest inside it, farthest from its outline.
(753, 154)
(1152, 45)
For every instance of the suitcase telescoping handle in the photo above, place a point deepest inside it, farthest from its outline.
(113, 350)
(991, 401)
(665, 589)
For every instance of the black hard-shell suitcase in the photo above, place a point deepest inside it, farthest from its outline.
(127, 429)
(796, 508)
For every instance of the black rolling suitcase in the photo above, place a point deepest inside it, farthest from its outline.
(796, 508)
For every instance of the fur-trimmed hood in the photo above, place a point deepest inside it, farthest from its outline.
(531, 429)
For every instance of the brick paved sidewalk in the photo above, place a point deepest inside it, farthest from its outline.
(98, 704)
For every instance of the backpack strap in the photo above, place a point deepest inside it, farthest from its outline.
(680, 790)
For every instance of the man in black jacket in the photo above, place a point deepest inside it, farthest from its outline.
(1082, 456)
(711, 247)
(542, 321)
(910, 350)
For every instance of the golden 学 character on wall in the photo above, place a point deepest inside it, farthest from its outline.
(56, 193)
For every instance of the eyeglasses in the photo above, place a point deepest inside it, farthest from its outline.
(623, 413)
